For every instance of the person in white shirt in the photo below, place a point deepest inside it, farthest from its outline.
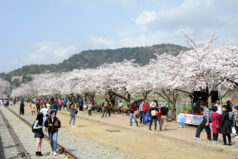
(120, 104)
(45, 111)
(219, 107)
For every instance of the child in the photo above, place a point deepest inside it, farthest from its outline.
(216, 118)
(225, 125)
(33, 108)
(235, 122)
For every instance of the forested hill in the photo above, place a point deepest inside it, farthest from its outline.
(93, 59)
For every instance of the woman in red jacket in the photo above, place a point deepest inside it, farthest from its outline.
(146, 107)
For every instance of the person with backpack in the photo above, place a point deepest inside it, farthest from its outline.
(153, 111)
(73, 111)
(22, 105)
(226, 124)
(133, 107)
(205, 122)
(105, 108)
(39, 135)
(216, 118)
(53, 124)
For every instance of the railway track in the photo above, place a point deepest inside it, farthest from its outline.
(23, 153)
(22, 150)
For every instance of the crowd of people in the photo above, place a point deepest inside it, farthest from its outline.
(149, 113)
(222, 119)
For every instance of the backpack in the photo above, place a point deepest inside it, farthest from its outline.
(32, 127)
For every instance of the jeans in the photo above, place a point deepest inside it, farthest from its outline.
(201, 127)
(109, 112)
(141, 117)
(153, 118)
(144, 113)
(132, 115)
(72, 117)
(53, 140)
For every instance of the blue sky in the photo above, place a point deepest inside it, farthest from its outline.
(49, 31)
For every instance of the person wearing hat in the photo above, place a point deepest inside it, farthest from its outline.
(153, 113)
(205, 122)
(225, 125)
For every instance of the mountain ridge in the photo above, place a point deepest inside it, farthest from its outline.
(93, 59)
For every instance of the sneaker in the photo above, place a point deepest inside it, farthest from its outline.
(55, 154)
(69, 126)
(196, 138)
(74, 126)
(52, 153)
(215, 142)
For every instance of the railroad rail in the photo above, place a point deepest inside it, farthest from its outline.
(23, 152)
(60, 147)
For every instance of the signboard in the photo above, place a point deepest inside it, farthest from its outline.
(189, 118)
(234, 99)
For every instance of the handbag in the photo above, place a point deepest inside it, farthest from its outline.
(136, 112)
(153, 113)
(147, 118)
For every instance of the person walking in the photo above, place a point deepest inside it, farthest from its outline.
(33, 108)
(90, 107)
(146, 107)
(133, 107)
(54, 107)
(109, 109)
(73, 111)
(216, 118)
(205, 122)
(235, 120)
(22, 105)
(164, 116)
(225, 125)
(38, 104)
(141, 112)
(53, 124)
(105, 108)
(153, 113)
(45, 112)
(39, 135)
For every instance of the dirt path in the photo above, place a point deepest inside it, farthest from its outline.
(139, 144)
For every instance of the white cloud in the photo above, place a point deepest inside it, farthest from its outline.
(145, 17)
(199, 18)
(50, 52)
